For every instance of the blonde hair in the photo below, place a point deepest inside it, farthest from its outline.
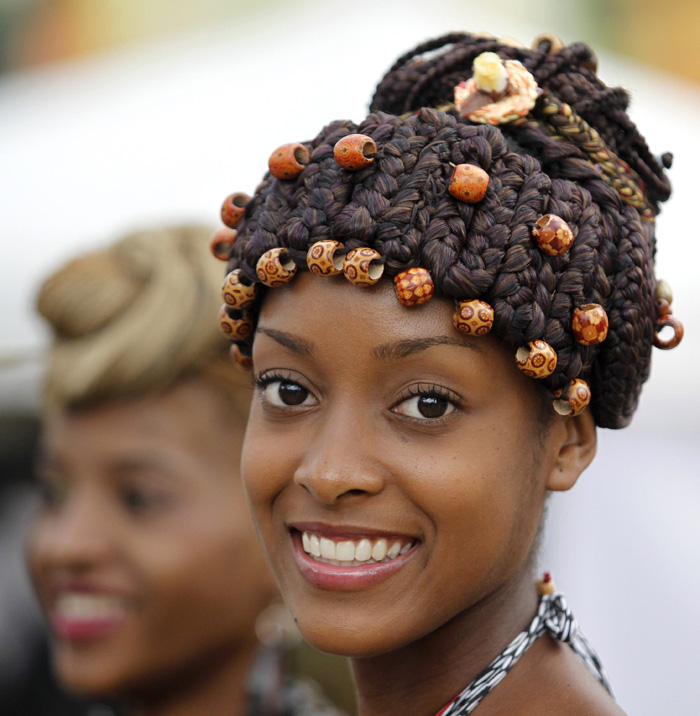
(134, 318)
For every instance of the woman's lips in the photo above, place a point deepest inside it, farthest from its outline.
(331, 560)
(86, 616)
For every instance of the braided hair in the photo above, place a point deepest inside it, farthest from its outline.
(576, 155)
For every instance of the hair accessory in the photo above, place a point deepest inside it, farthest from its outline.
(473, 318)
(414, 286)
(288, 161)
(325, 258)
(238, 291)
(469, 183)
(537, 360)
(546, 585)
(355, 151)
(241, 359)
(553, 235)
(363, 267)
(590, 324)
(275, 267)
(665, 318)
(233, 209)
(555, 42)
(578, 395)
(498, 92)
(221, 243)
(237, 325)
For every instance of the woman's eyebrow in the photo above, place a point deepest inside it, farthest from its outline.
(288, 340)
(402, 349)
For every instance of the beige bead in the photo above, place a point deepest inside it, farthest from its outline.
(473, 318)
(579, 398)
(275, 267)
(537, 360)
(363, 267)
(325, 258)
(237, 325)
(237, 291)
(663, 290)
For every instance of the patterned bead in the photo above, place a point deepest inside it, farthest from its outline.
(221, 243)
(363, 267)
(237, 291)
(355, 152)
(275, 267)
(469, 183)
(579, 398)
(233, 209)
(414, 286)
(240, 358)
(288, 161)
(474, 318)
(237, 325)
(537, 360)
(325, 258)
(553, 235)
(590, 324)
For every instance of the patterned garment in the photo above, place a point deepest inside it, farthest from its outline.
(553, 617)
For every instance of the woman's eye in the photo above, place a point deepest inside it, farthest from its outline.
(284, 393)
(137, 500)
(425, 406)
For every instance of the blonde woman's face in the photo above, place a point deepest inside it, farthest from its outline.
(144, 556)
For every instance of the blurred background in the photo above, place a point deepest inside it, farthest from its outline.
(121, 114)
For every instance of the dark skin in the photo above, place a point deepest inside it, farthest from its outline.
(374, 420)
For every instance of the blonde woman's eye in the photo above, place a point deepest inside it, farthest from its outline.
(286, 393)
(425, 406)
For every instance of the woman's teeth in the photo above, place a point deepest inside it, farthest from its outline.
(79, 605)
(351, 553)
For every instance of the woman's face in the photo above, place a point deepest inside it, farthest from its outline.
(144, 556)
(410, 457)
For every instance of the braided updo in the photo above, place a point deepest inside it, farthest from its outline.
(563, 158)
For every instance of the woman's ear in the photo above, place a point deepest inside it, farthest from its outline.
(575, 448)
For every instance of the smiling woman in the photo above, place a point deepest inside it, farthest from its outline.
(404, 437)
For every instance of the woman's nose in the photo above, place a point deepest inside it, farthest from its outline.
(341, 460)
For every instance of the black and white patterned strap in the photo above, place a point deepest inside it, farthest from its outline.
(553, 617)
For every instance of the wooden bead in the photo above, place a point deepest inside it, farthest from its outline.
(579, 397)
(668, 320)
(233, 209)
(546, 585)
(363, 267)
(221, 243)
(325, 258)
(238, 291)
(553, 235)
(555, 43)
(288, 161)
(590, 324)
(275, 267)
(537, 360)
(469, 183)
(414, 286)
(355, 152)
(237, 325)
(473, 318)
(241, 359)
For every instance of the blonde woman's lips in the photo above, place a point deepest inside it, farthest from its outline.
(332, 559)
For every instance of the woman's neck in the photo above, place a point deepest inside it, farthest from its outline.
(216, 687)
(430, 672)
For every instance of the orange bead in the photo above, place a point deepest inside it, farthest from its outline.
(414, 286)
(325, 258)
(469, 183)
(363, 267)
(579, 397)
(239, 358)
(275, 267)
(355, 151)
(221, 243)
(233, 209)
(237, 325)
(553, 235)
(288, 161)
(590, 324)
(678, 331)
(237, 291)
(473, 318)
(537, 360)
